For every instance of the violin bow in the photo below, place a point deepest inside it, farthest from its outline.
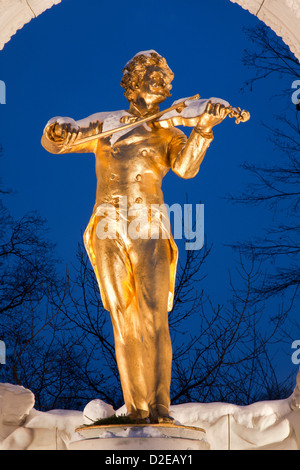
(178, 106)
(241, 116)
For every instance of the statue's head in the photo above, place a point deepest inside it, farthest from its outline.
(147, 76)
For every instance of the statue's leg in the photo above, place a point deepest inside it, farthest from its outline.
(152, 279)
(117, 282)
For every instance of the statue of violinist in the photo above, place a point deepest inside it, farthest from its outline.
(136, 275)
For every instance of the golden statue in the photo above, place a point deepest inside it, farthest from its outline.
(136, 275)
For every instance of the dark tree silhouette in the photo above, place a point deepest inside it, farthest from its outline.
(276, 185)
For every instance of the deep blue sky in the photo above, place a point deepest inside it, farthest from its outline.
(68, 62)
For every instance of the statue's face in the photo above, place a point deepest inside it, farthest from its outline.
(152, 89)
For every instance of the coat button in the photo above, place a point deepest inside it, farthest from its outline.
(144, 153)
(138, 177)
(139, 200)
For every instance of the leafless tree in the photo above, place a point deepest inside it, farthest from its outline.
(39, 353)
(269, 56)
(275, 184)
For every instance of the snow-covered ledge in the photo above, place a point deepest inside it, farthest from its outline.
(268, 425)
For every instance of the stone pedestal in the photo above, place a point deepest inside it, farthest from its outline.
(139, 437)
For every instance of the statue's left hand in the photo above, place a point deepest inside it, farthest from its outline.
(213, 115)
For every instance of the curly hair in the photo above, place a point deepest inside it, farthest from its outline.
(135, 69)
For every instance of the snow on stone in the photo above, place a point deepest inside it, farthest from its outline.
(16, 403)
(263, 425)
(95, 410)
(61, 420)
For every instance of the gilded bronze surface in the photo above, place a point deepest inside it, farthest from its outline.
(136, 276)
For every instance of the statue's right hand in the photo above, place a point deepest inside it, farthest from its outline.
(62, 132)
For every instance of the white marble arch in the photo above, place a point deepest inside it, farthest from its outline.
(14, 14)
(282, 16)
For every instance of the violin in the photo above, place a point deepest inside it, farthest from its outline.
(185, 112)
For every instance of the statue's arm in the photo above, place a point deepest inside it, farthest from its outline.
(60, 135)
(188, 154)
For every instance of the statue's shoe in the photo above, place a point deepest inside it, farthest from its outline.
(141, 416)
(160, 414)
(166, 419)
